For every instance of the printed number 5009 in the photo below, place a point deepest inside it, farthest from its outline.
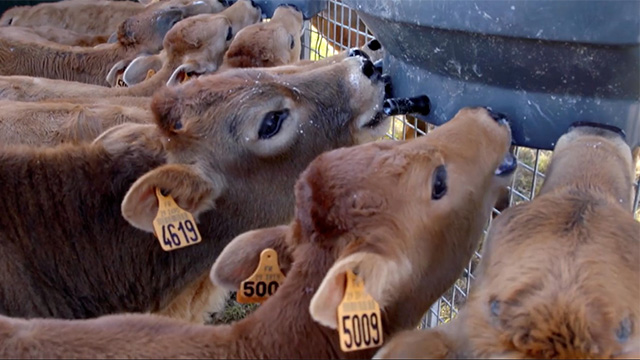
(171, 237)
(361, 330)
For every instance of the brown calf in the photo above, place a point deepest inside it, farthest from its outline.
(138, 34)
(227, 147)
(348, 217)
(268, 44)
(559, 276)
(49, 124)
(93, 17)
(197, 42)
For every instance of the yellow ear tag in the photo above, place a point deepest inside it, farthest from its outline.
(150, 73)
(119, 81)
(174, 227)
(359, 321)
(185, 78)
(263, 282)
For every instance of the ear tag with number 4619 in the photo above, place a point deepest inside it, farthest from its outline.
(174, 227)
(359, 321)
(263, 282)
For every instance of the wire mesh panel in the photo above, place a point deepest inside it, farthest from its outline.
(339, 28)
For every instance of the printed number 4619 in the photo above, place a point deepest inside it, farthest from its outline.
(174, 237)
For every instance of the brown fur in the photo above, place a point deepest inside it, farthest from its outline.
(346, 218)
(267, 44)
(91, 17)
(70, 253)
(51, 34)
(559, 275)
(138, 34)
(198, 41)
(49, 124)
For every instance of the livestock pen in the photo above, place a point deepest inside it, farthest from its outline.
(339, 27)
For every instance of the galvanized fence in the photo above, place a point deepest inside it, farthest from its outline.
(339, 28)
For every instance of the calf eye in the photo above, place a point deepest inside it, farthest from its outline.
(293, 42)
(271, 123)
(229, 34)
(439, 188)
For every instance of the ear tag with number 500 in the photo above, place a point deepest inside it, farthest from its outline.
(359, 321)
(150, 73)
(263, 282)
(119, 81)
(174, 227)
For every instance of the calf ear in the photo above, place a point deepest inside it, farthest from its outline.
(120, 66)
(137, 71)
(241, 257)
(190, 189)
(382, 276)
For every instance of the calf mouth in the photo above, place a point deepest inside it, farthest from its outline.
(508, 165)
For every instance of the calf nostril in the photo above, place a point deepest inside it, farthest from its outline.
(368, 69)
(499, 117)
(374, 45)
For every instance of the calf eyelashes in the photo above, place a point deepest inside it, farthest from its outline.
(272, 123)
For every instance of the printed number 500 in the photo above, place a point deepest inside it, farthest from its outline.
(171, 237)
(361, 329)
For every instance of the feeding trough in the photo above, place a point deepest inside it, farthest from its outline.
(546, 64)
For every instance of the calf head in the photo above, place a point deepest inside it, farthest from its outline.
(395, 213)
(268, 44)
(559, 275)
(146, 30)
(199, 43)
(585, 145)
(242, 137)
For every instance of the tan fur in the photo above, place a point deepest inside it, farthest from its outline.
(49, 124)
(141, 33)
(204, 150)
(91, 17)
(559, 275)
(344, 209)
(267, 44)
(199, 41)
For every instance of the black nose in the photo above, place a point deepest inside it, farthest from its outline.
(599, 126)
(397, 106)
(374, 45)
(499, 117)
(357, 52)
(508, 165)
(368, 69)
(379, 65)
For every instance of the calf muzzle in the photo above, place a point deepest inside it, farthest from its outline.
(598, 127)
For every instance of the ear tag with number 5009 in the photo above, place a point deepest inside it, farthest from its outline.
(174, 227)
(263, 282)
(359, 321)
